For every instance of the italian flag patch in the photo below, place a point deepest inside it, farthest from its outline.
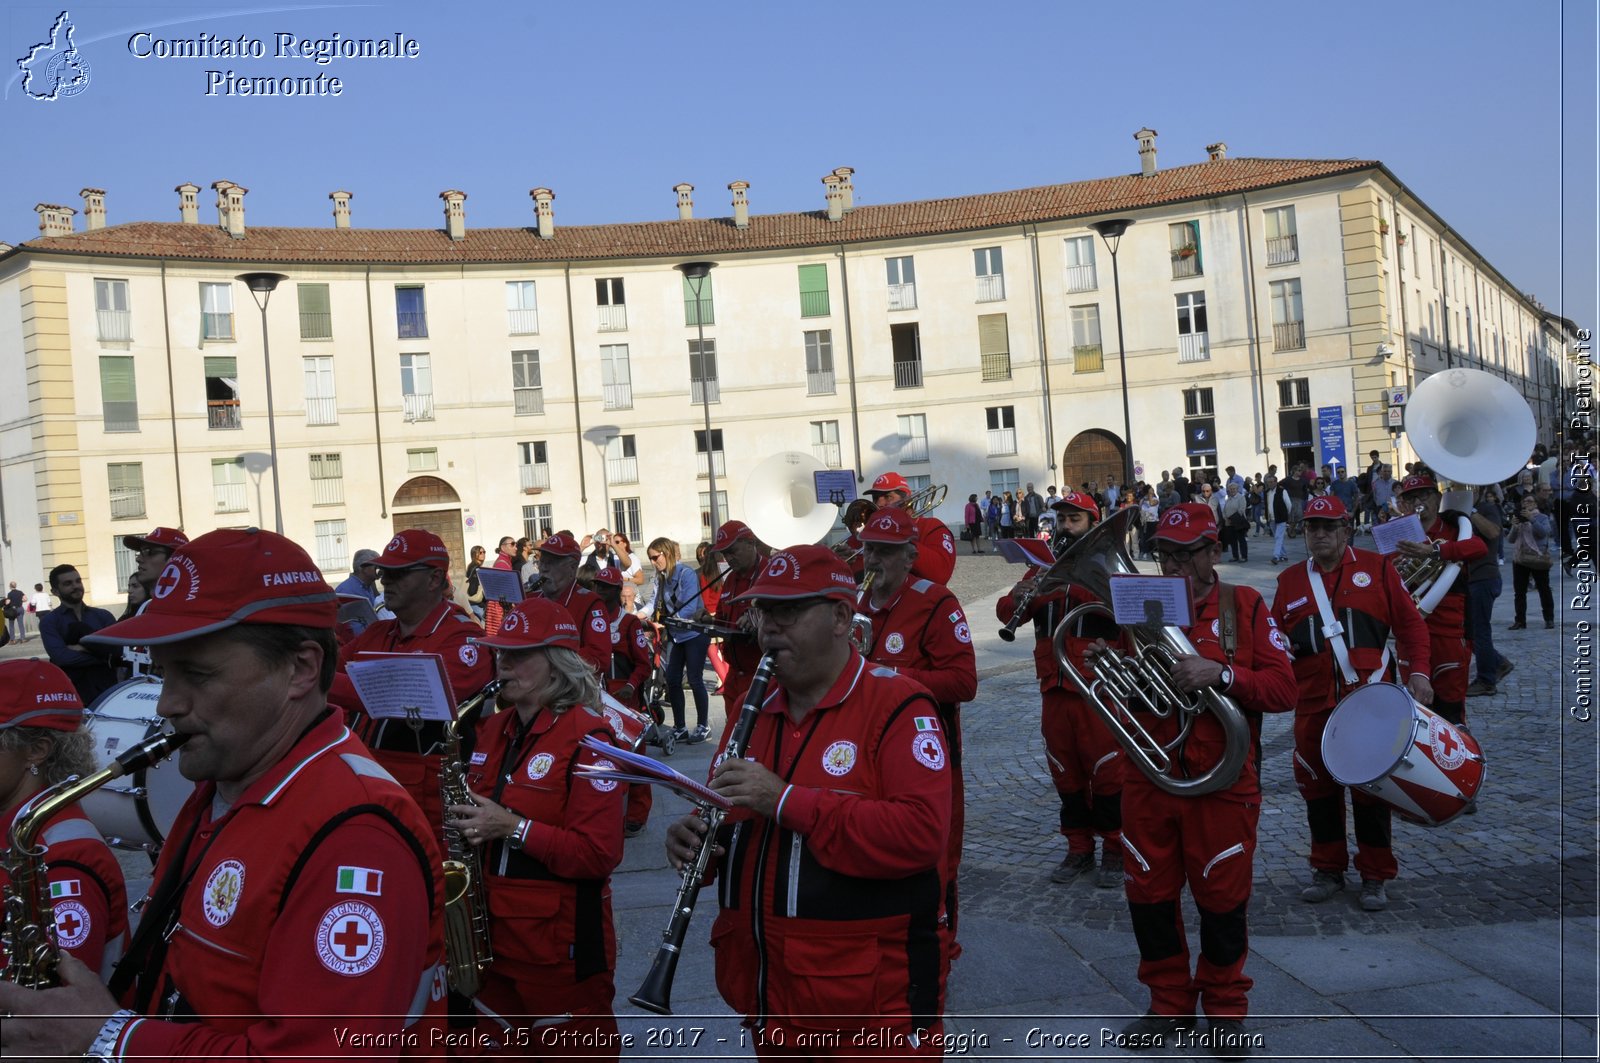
(67, 887)
(362, 880)
(927, 723)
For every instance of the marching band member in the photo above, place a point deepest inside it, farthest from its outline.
(1332, 657)
(553, 840)
(745, 555)
(415, 570)
(505, 559)
(632, 660)
(150, 553)
(679, 593)
(259, 920)
(919, 631)
(1209, 840)
(558, 564)
(853, 517)
(1448, 647)
(1084, 759)
(936, 547)
(830, 899)
(43, 742)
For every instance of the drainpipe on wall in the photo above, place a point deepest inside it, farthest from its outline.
(577, 406)
(377, 418)
(1044, 348)
(850, 361)
(1444, 303)
(1260, 410)
(172, 401)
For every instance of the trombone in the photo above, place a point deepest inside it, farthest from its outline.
(918, 505)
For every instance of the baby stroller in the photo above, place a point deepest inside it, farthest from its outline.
(658, 732)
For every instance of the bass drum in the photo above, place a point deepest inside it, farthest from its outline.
(627, 724)
(135, 811)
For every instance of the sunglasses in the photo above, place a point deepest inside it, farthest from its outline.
(785, 614)
(1178, 557)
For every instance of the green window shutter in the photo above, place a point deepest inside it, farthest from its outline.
(704, 307)
(814, 291)
(116, 380)
(220, 367)
(313, 298)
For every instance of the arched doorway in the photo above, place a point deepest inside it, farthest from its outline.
(1093, 454)
(431, 504)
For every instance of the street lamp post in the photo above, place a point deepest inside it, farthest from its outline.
(696, 273)
(261, 286)
(1111, 232)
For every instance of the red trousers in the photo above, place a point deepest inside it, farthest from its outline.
(1086, 767)
(1209, 843)
(523, 1016)
(1452, 659)
(1324, 798)
(879, 1041)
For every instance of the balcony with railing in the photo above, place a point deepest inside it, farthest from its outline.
(230, 498)
(614, 318)
(223, 414)
(1082, 278)
(992, 288)
(120, 416)
(819, 382)
(535, 478)
(127, 502)
(327, 491)
(316, 325)
(913, 448)
(1282, 249)
(216, 326)
(522, 322)
(417, 407)
(704, 391)
(412, 324)
(1185, 263)
(827, 453)
(1088, 358)
(528, 401)
(908, 374)
(1194, 347)
(622, 470)
(1289, 336)
(116, 326)
(1002, 441)
(903, 296)
(996, 366)
(717, 464)
(322, 411)
(814, 304)
(617, 396)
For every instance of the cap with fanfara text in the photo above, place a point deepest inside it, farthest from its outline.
(890, 524)
(168, 539)
(227, 577)
(36, 693)
(1189, 522)
(889, 481)
(414, 548)
(803, 572)
(534, 623)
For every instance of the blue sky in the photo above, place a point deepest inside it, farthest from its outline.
(1469, 104)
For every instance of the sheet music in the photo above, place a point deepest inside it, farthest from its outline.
(396, 686)
(1159, 600)
(1388, 536)
(500, 585)
(640, 768)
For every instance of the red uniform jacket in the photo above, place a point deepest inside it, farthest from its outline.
(1369, 601)
(936, 551)
(550, 901)
(86, 888)
(742, 654)
(1449, 617)
(632, 656)
(1047, 611)
(833, 907)
(922, 634)
(317, 891)
(594, 630)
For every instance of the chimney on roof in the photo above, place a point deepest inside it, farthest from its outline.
(685, 204)
(545, 211)
(54, 219)
(341, 209)
(1217, 151)
(847, 187)
(741, 205)
(188, 203)
(455, 213)
(833, 194)
(94, 208)
(1147, 151)
(230, 208)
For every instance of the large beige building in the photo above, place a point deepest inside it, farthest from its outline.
(484, 382)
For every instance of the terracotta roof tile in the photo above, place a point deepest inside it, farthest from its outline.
(700, 236)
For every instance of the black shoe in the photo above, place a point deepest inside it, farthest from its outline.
(1479, 689)
(1507, 666)
(1153, 1031)
(698, 735)
(1110, 874)
(679, 734)
(632, 829)
(1228, 1039)
(1518, 626)
(1549, 624)
(1074, 865)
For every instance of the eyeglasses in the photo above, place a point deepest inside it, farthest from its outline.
(785, 614)
(1178, 557)
(150, 551)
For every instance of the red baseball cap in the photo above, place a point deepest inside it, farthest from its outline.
(534, 623)
(561, 545)
(227, 577)
(611, 576)
(1189, 522)
(168, 539)
(731, 532)
(414, 548)
(36, 693)
(889, 481)
(1078, 500)
(1418, 482)
(891, 524)
(803, 572)
(1325, 507)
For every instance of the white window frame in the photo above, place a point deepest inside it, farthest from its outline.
(522, 308)
(1079, 256)
(913, 429)
(988, 265)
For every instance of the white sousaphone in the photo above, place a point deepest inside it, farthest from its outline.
(780, 501)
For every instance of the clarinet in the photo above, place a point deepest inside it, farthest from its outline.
(655, 992)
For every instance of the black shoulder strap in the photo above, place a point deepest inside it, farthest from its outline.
(339, 820)
(1228, 614)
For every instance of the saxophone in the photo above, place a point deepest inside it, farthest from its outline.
(466, 907)
(28, 929)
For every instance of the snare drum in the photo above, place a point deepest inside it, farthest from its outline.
(136, 811)
(1379, 739)
(627, 724)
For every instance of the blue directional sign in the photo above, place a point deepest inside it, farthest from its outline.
(1330, 434)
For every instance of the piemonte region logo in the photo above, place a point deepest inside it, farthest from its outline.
(55, 69)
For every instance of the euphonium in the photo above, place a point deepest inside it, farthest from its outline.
(466, 906)
(28, 931)
(1142, 681)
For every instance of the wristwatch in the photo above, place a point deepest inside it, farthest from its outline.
(1225, 680)
(517, 838)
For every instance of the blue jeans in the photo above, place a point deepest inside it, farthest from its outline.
(1480, 613)
(688, 656)
(1279, 530)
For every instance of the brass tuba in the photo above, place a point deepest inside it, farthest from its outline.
(1125, 685)
(466, 905)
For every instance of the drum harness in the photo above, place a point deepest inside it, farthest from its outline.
(1333, 631)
